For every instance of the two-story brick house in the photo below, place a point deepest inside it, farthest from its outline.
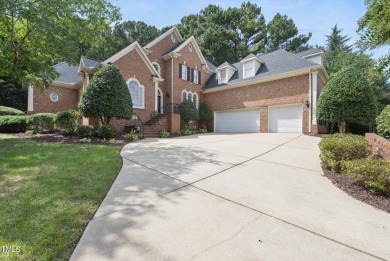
(274, 92)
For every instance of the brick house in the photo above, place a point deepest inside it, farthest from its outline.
(273, 92)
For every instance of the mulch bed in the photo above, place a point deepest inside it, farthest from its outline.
(357, 191)
(65, 138)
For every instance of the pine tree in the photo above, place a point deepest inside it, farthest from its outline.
(336, 41)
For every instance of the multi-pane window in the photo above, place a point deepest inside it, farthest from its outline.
(184, 72)
(183, 96)
(195, 100)
(196, 76)
(249, 69)
(223, 75)
(137, 93)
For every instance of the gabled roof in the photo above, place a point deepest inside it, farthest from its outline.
(159, 38)
(310, 52)
(90, 62)
(211, 65)
(274, 63)
(250, 57)
(134, 46)
(67, 74)
(226, 64)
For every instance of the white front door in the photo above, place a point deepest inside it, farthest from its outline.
(237, 121)
(285, 118)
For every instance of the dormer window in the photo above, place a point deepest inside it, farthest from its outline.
(249, 69)
(222, 75)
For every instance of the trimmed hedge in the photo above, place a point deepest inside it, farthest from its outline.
(14, 123)
(41, 122)
(337, 148)
(67, 120)
(131, 136)
(10, 111)
(374, 174)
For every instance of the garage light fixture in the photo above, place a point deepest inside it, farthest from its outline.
(307, 103)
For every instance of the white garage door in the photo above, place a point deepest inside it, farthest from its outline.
(238, 121)
(285, 118)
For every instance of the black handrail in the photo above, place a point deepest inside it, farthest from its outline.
(154, 120)
(172, 108)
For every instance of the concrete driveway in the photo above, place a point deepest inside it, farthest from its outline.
(231, 197)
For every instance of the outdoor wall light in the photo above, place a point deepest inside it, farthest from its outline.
(167, 94)
(307, 103)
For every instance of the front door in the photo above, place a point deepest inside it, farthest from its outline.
(159, 102)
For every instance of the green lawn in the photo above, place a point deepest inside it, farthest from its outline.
(48, 193)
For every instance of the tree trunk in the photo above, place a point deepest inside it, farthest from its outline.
(342, 126)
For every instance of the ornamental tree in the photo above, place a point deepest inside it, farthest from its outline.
(348, 98)
(106, 96)
(188, 111)
(205, 114)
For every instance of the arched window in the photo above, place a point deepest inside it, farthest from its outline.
(183, 95)
(157, 67)
(189, 96)
(195, 99)
(137, 92)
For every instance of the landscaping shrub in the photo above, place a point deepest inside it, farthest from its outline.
(85, 140)
(337, 148)
(10, 111)
(188, 111)
(41, 122)
(203, 130)
(67, 120)
(205, 114)
(374, 174)
(383, 123)
(131, 136)
(107, 131)
(85, 131)
(14, 123)
(164, 134)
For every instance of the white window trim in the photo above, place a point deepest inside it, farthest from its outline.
(196, 76)
(158, 67)
(253, 69)
(184, 72)
(197, 100)
(220, 76)
(142, 88)
(173, 37)
(186, 95)
(56, 100)
(190, 48)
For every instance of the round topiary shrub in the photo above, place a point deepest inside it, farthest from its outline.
(107, 131)
(67, 120)
(188, 111)
(85, 131)
(383, 123)
(10, 111)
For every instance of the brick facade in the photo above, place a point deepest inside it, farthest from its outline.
(291, 90)
(67, 99)
(379, 145)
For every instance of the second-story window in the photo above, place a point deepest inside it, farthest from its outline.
(223, 75)
(196, 76)
(184, 72)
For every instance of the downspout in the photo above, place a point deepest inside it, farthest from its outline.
(172, 83)
(310, 104)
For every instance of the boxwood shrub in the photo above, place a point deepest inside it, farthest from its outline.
(10, 111)
(383, 123)
(337, 148)
(374, 174)
(107, 131)
(15, 123)
(67, 120)
(41, 122)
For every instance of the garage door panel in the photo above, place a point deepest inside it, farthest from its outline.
(238, 121)
(285, 119)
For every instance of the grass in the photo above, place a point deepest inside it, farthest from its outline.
(48, 194)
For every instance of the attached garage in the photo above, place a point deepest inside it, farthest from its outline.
(237, 121)
(285, 118)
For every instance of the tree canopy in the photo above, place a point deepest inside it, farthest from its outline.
(335, 41)
(106, 96)
(188, 111)
(35, 34)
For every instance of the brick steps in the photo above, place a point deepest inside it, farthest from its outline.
(149, 130)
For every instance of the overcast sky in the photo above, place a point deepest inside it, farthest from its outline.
(312, 16)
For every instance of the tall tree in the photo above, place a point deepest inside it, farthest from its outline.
(336, 41)
(120, 36)
(283, 34)
(375, 28)
(37, 33)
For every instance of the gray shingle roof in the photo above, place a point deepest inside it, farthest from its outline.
(309, 52)
(68, 73)
(211, 65)
(171, 49)
(89, 62)
(274, 63)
